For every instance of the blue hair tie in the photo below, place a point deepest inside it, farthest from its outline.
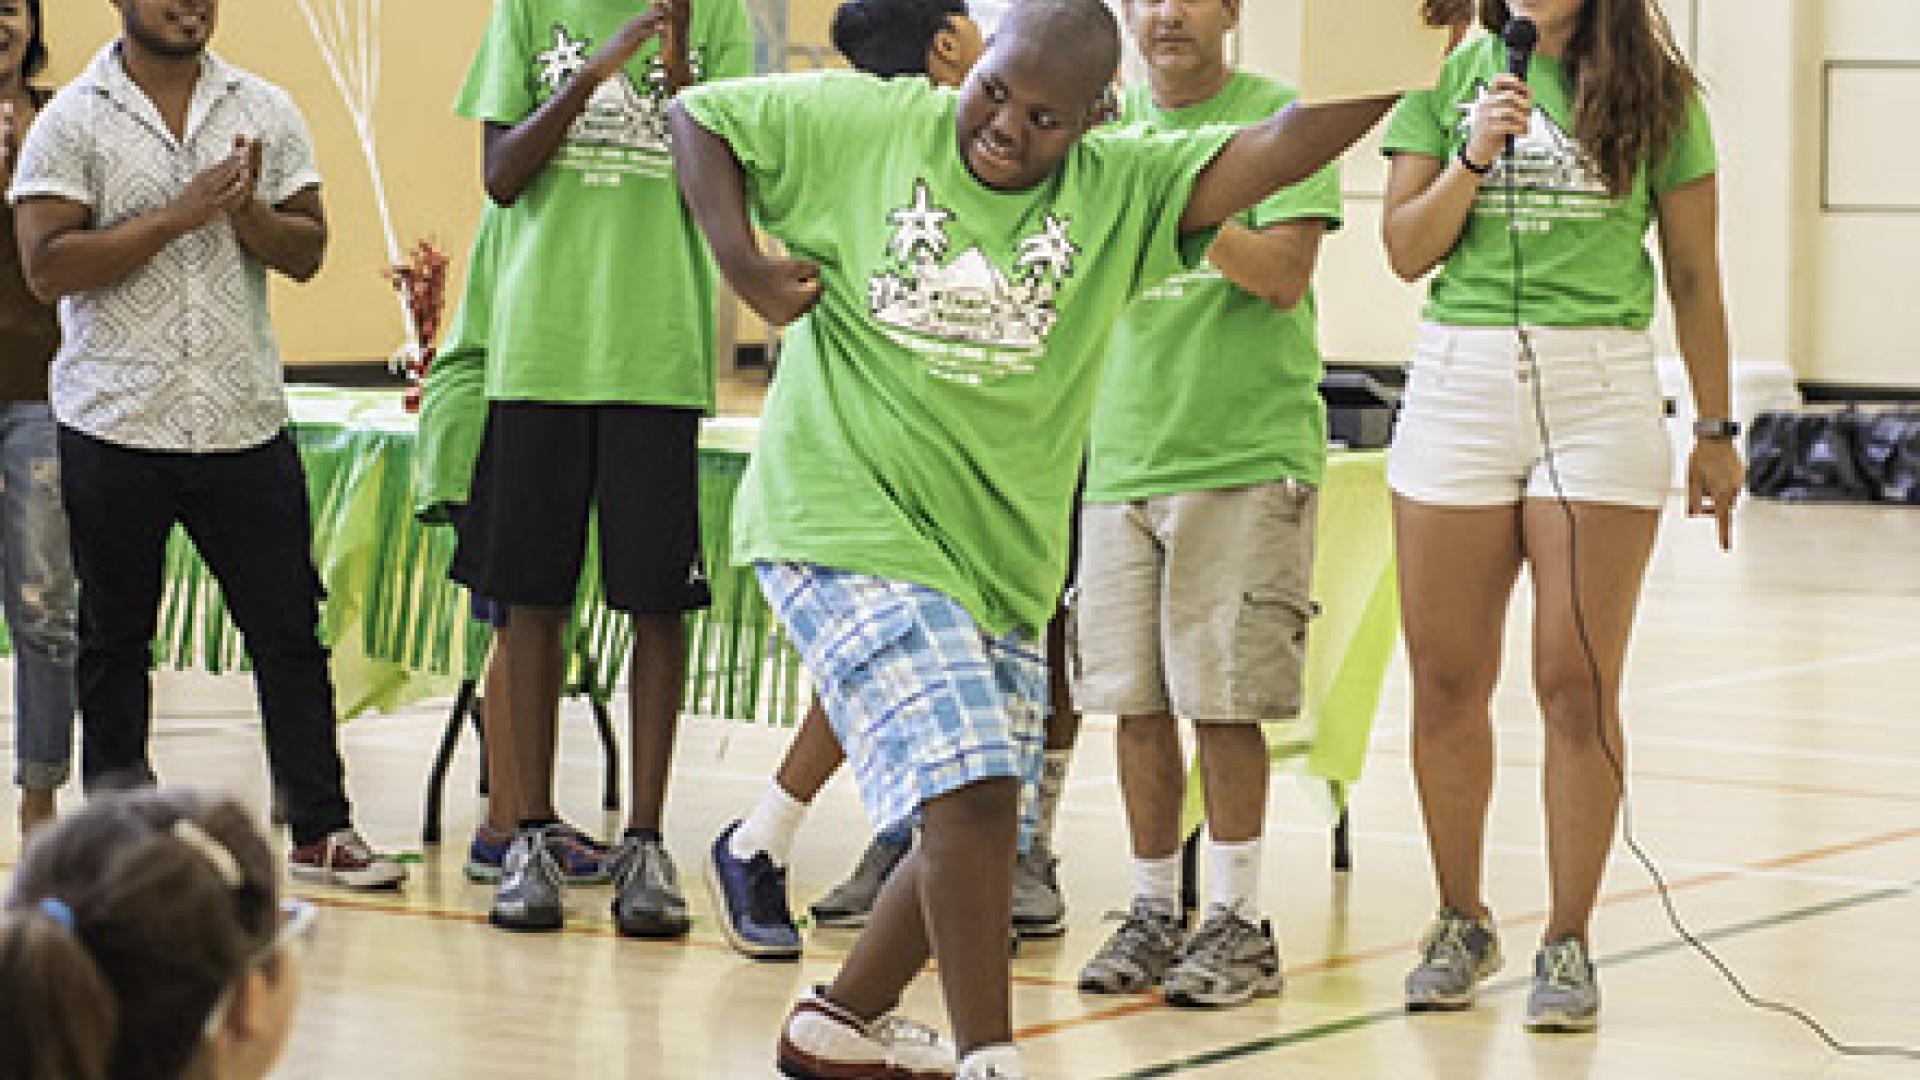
(56, 909)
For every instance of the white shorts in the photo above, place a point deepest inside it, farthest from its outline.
(1471, 432)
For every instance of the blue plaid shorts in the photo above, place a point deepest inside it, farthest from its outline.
(923, 700)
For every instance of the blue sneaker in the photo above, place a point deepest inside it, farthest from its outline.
(583, 861)
(751, 895)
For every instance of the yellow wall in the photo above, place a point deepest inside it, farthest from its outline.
(431, 159)
(1828, 292)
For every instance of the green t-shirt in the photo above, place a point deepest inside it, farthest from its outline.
(611, 285)
(453, 396)
(930, 414)
(1583, 253)
(1208, 386)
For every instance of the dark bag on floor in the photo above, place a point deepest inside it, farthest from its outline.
(1890, 454)
(1808, 457)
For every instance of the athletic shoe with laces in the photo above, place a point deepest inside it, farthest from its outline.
(343, 857)
(822, 1041)
(1565, 997)
(530, 895)
(582, 859)
(1457, 955)
(1039, 911)
(1230, 960)
(751, 896)
(1001, 1062)
(647, 902)
(1137, 956)
(847, 906)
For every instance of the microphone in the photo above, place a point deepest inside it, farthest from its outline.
(1520, 36)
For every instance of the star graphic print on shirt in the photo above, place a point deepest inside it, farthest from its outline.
(623, 129)
(606, 290)
(1584, 256)
(967, 318)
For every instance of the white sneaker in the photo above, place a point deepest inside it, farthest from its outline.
(822, 1041)
(1000, 1062)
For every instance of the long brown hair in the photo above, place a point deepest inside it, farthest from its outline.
(123, 930)
(1631, 85)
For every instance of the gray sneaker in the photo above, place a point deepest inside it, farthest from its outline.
(1039, 911)
(1457, 955)
(1138, 954)
(846, 907)
(1565, 997)
(530, 895)
(647, 902)
(1228, 961)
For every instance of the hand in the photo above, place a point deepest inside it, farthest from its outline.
(1714, 479)
(223, 188)
(1504, 111)
(778, 290)
(614, 54)
(256, 155)
(9, 137)
(1456, 15)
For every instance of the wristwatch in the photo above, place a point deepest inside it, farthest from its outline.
(1716, 427)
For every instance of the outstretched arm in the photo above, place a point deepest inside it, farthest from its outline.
(1298, 141)
(1278, 152)
(715, 189)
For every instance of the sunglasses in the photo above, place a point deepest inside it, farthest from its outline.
(298, 920)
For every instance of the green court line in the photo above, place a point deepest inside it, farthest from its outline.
(1358, 1021)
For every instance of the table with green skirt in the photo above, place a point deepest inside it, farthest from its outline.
(400, 631)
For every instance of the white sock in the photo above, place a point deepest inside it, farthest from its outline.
(1000, 1061)
(1053, 784)
(1158, 881)
(1233, 876)
(770, 828)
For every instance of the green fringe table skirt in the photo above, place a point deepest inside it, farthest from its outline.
(400, 631)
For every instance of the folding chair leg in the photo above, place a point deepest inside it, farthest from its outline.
(443, 761)
(1190, 874)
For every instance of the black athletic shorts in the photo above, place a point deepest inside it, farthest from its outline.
(544, 467)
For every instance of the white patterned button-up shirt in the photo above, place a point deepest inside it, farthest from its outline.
(180, 354)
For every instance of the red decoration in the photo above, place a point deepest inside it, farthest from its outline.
(422, 282)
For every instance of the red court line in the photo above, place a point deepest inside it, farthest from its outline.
(1406, 948)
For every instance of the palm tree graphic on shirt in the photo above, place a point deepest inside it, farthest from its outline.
(620, 113)
(967, 299)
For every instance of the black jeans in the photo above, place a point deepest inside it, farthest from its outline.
(247, 514)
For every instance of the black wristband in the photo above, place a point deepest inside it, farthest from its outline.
(1467, 163)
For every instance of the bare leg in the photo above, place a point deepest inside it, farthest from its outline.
(529, 660)
(1233, 763)
(1457, 569)
(1581, 785)
(1063, 723)
(963, 868)
(37, 808)
(504, 800)
(656, 683)
(891, 950)
(812, 757)
(1153, 783)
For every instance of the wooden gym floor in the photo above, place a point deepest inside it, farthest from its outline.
(1776, 778)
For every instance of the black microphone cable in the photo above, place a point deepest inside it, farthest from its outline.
(1531, 360)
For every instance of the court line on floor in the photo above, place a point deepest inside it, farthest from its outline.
(1140, 1003)
(1147, 1003)
(1272, 1043)
(1512, 763)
